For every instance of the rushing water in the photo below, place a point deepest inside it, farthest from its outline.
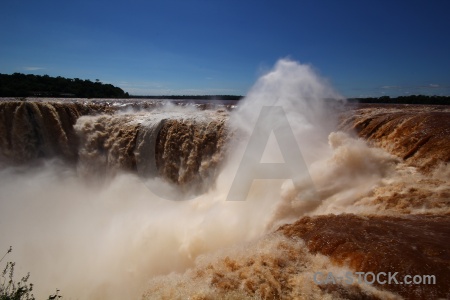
(88, 190)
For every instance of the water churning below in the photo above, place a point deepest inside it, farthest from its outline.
(123, 199)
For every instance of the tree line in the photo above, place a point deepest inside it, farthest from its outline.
(192, 97)
(22, 85)
(411, 99)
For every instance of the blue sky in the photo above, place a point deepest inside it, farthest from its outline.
(156, 47)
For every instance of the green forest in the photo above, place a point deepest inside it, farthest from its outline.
(21, 85)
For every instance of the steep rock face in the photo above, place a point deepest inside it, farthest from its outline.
(418, 134)
(185, 148)
(106, 144)
(30, 130)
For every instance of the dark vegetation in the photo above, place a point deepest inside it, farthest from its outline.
(192, 97)
(17, 290)
(412, 99)
(21, 85)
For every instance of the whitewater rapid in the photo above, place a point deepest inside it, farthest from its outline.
(107, 201)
